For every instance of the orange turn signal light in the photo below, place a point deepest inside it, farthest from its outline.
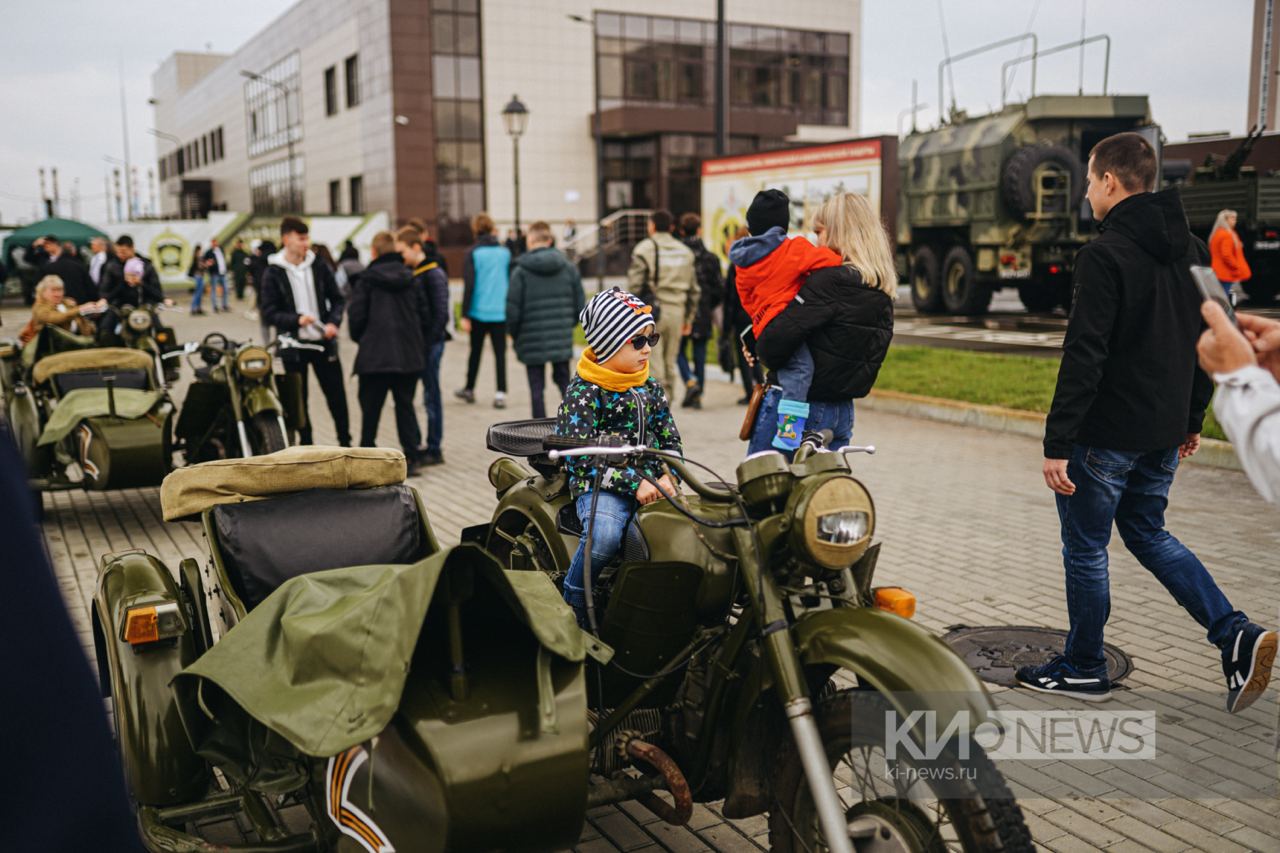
(151, 623)
(896, 600)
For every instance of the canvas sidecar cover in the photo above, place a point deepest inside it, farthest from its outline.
(323, 660)
(98, 358)
(82, 403)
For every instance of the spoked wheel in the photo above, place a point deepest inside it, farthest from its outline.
(889, 806)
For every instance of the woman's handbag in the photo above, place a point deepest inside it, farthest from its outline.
(753, 411)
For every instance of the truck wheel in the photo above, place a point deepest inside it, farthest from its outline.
(926, 286)
(1022, 171)
(1038, 297)
(892, 804)
(962, 293)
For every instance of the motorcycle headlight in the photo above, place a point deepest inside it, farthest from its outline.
(832, 520)
(139, 321)
(253, 362)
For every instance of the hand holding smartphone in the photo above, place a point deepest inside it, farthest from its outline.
(1211, 290)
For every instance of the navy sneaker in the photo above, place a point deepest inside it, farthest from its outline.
(1247, 665)
(1060, 677)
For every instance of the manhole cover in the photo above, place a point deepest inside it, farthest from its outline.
(995, 653)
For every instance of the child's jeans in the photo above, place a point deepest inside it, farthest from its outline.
(614, 513)
(796, 375)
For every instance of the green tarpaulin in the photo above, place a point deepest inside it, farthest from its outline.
(323, 660)
(91, 403)
(64, 229)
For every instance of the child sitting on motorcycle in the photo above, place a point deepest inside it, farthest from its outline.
(613, 394)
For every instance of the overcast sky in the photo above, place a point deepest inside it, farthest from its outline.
(60, 69)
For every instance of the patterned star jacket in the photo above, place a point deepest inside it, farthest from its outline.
(638, 415)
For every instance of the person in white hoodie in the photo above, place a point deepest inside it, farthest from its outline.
(1245, 363)
(300, 298)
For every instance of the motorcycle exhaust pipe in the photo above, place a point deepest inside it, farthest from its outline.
(813, 757)
(679, 814)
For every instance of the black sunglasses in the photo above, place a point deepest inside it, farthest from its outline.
(640, 340)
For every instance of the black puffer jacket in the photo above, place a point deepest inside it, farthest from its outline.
(389, 318)
(706, 267)
(1129, 378)
(847, 326)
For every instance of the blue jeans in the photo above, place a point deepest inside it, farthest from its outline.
(614, 513)
(837, 417)
(796, 375)
(1130, 488)
(431, 400)
(195, 300)
(218, 284)
(699, 369)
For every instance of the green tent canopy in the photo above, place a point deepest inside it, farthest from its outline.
(64, 229)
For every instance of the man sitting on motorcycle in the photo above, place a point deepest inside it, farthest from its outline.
(613, 394)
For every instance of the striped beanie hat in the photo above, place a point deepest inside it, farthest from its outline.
(612, 318)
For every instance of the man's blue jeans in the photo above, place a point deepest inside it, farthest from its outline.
(837, 417)
(613, 513)
(1130, 488)
(698, 370)
(218, 284)
(431, 400)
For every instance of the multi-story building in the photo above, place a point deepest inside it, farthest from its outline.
(1264, 65)
(397, 105)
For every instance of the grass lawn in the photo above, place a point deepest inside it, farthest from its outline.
(1012, 381)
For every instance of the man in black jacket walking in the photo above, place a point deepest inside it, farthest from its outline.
(300, 298)
(1129, 405)
(389, 318)
(74, 275)
(432, 278)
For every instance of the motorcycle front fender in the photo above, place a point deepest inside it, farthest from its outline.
(260, 398)
(911, 667)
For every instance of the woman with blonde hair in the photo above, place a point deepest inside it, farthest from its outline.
(52, 308)
(843, 313)
(1227, 252)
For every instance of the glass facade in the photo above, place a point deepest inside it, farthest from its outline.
(272, 191)
(459, 119)
(273, 106)
(655, 61)
(665, 170)
(207, 149)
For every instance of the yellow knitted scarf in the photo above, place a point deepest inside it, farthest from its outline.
(610, 380)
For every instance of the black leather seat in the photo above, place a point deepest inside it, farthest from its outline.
(138, 380)
(265, 543)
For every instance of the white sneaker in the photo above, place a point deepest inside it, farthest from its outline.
(500, 400)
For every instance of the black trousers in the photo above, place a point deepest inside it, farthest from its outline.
(497, 332)
(538, 383)
(328, 370)
(373, 393)
(750, 375)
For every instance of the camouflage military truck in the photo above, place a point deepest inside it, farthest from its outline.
(998, 200)
(1228, 184)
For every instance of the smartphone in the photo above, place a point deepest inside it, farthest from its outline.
(1211, 290)
(748, 337)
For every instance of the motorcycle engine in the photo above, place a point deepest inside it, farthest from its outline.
(645, 724)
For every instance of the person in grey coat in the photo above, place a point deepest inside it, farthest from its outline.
(543, 303)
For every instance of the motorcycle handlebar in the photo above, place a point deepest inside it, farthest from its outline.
(674, 460)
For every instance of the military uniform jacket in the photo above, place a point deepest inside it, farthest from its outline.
(639, 415)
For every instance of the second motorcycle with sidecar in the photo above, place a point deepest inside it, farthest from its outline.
(336, 681)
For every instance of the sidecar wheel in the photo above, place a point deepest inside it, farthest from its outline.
(886, 813)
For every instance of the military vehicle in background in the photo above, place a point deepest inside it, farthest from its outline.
(1228, 184)
(998, 200)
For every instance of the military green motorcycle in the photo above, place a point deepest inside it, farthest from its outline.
(748, 646)
(237, 405)
(139, 327)
(331, 679)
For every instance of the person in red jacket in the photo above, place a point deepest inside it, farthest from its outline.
(770, 270)
(1227, 253)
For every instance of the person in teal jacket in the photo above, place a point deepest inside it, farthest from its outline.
(486, 276)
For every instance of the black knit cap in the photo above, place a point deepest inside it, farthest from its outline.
(768, 208)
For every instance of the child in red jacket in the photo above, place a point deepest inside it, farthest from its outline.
(770, 271)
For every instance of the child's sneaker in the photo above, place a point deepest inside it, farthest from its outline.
(1247, 665)
(1060, 677)
(792, 415)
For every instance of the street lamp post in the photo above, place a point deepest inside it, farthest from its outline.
(294, 202)
(515, 115)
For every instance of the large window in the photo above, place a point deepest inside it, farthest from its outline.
(671, 61)
(335, 197)
(273, 190)
(356, 189)
(459, 120)
(352, 68)
(274, 106)
(331, 90)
